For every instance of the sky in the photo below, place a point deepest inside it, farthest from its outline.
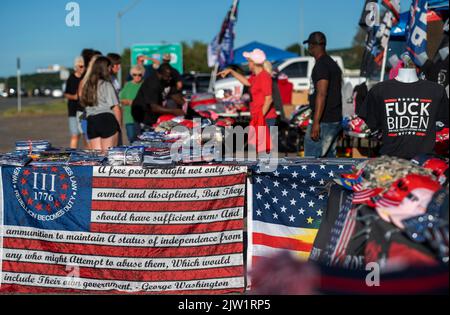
(36, 31)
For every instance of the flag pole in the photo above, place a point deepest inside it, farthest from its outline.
(213, 80)
(383, 67)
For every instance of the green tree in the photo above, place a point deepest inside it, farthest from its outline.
(195, 57)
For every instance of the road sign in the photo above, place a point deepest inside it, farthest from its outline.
(157, 51)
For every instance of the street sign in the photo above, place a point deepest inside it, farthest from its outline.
(156, 51)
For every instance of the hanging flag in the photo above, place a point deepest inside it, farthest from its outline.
(221, 49)
(369, 21)
(382, 37)
(394, 7)
(416, 44)
(377, 42)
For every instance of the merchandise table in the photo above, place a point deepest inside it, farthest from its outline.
(184, 230)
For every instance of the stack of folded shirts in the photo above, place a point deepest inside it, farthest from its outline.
(197, 155)
(151, 136)
(14, 159)
(158, 156)
(33, 145)
(151, 144)
(86, 158)
(52, 158)
(121, 156)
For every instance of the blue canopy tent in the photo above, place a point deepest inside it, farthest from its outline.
(273, 54)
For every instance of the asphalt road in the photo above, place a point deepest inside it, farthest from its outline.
(11, 102)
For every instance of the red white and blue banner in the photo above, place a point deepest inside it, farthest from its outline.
(288, 206)
(221, 49)
(416, 44)
(122, 230)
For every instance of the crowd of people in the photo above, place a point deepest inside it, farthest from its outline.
(101, 110)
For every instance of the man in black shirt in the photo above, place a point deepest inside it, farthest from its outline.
(148, 104)
(325, 100)
(74, 108)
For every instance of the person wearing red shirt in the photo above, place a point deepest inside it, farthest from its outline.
(263, 113)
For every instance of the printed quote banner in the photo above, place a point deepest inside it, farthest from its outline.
(122, 230)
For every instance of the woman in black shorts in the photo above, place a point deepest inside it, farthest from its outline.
(102, 107)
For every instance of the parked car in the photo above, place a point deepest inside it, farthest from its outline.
(12, 92)
(194, 83)
(57, 93)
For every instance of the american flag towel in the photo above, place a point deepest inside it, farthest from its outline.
(122, 230)
(288, 206)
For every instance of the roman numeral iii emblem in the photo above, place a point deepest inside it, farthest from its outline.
(42, 181)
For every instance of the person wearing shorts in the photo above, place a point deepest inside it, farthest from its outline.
(73, 104)
(102, 107)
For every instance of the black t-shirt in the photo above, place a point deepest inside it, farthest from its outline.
(327, 69)
(72, 88)
(151, 92)
(407, 114)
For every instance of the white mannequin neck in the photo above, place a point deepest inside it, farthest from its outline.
(407, 75)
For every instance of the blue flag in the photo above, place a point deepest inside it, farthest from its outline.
(221, 49)
(417, 32)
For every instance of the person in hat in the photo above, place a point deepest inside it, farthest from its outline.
(325, 100)
(262, 111)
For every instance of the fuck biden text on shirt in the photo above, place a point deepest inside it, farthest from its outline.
(407, 116)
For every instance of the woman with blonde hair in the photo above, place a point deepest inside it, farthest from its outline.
(262, 112)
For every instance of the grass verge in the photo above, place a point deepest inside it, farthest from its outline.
(58, 107)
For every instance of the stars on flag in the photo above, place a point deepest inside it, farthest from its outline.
(294, 195)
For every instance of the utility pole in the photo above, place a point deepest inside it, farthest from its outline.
(120, 14)
(19, 87)
(302, 29)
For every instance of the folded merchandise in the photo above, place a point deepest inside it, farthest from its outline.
(151, 136)
(121, 156)
(33, 145)
(51, 158)
(87, 158)
(14, 159)
(356, 125)
(154, 157)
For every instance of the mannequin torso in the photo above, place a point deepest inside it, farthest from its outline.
(407, 75)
